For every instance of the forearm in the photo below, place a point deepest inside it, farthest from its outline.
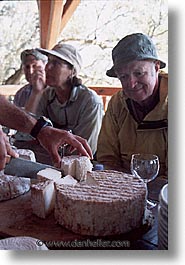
(50, 138)
(15, 118)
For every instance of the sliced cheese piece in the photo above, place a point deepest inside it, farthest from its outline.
(67, 180)
(76, 166)
(43, 192)
(68, 165)
(49, 174)
(83, 165)
(89, 180)
(43, 198)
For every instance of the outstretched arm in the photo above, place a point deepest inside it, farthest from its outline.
(50, 138)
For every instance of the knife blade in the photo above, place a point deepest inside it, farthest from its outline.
(24, 168)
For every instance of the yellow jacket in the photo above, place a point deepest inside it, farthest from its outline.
(121, 135)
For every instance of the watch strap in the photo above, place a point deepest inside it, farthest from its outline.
(41, 123)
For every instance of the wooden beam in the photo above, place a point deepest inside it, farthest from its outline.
(54, 15)
(54, 23)
(69, 8)
(44, 16)
(105, 91)
(50, 21)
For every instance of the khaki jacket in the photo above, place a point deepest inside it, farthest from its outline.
(121, 135)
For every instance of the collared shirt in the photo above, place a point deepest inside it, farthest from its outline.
(82, 113)
(22, 95)
(121, 135)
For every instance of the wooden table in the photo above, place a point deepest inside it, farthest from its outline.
(16, 219)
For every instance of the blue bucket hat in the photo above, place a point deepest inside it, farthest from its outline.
(136, 46)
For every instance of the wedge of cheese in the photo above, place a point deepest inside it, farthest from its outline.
(67, 180)
(55, 176)
(49, 174)
(43, 192)
(76, 166)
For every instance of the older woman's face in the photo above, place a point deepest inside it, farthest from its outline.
(138, 78)
(58, 71)
(30, 65)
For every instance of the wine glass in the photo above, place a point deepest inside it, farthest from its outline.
(146, 167)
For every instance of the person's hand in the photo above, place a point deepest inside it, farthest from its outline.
(38, 82)
(5, 149)
(51, 139)
(38, 79)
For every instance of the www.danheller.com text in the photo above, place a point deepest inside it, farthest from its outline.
(87, 243)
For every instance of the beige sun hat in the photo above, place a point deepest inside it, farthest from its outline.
(65, 52)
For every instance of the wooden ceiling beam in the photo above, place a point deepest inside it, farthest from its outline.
(69, 8)
(44, 16)
(54, 23)
(54, 15)
(50, 21)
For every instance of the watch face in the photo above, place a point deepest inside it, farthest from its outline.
(47, 120)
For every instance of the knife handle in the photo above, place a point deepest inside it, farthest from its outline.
(8, 157)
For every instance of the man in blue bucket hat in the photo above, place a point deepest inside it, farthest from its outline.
(136, 118)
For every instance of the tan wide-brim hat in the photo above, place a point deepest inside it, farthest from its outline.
(136, 46)
(65, 52)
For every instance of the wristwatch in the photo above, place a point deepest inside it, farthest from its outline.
(41, 123)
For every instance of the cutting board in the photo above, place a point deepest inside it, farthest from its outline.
(17, 219)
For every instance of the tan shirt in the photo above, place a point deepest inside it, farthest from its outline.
(121, 136)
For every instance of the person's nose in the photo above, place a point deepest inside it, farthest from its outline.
(132, 81)
(31, 70)
(48, 66)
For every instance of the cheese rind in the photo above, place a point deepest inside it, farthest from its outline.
(26, 154)
(115, 206)
(12, 186)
